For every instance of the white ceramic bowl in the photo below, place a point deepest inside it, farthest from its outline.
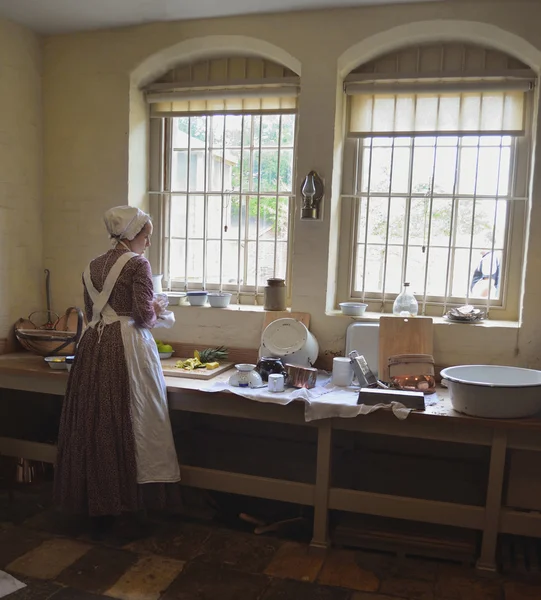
(353, 309)
(58, 363)
(219, 299)
(494, 392)
(246, 376)
(289, 339)
(164, 355)
(197, 298)
(176, 298)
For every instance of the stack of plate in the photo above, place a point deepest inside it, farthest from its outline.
(465, 314)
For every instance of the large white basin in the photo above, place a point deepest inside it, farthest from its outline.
(494, 392)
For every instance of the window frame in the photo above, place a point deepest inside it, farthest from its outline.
(160, 194)
(507, 307)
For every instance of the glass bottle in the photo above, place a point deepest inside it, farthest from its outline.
(405, 304)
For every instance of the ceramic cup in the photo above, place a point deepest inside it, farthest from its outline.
(276, 382)
(342, 371)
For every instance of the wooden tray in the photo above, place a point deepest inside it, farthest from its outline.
(169, 370)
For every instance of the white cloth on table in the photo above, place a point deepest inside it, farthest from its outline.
(325, 401)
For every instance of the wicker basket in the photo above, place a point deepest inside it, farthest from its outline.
(59, 341)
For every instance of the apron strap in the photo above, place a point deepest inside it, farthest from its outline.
(100, 299)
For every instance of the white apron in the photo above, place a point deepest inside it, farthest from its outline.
(155, 452)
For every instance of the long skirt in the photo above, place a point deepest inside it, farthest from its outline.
(96, 470)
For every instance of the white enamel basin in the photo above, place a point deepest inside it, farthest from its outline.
(493, 391)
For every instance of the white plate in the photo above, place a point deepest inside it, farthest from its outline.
(284, 336)
(164, 355)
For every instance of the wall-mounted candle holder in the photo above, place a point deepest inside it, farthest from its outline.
(312, 190)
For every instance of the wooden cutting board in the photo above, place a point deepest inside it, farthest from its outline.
(273, 315)
(401, 335)
(169, 370)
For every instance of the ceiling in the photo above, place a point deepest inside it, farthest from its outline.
(62, 16)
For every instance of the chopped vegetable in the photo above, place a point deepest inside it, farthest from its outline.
(197, 361)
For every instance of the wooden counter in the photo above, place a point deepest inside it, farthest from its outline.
(440, 423)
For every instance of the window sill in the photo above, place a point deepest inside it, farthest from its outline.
(373, 317)
(250, 308)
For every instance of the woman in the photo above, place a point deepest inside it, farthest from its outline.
(115, 447)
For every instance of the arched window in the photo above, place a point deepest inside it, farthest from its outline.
(435, 178)
(222, 140)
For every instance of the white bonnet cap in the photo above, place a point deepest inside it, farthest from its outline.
(125, 222)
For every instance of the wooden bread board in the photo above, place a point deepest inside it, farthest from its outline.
(400, 335)
(170, 370)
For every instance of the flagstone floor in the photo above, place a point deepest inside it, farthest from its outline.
(188, 560)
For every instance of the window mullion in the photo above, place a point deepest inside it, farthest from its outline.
(383, 287)
(222, 195)
(366, 222)
(208, 158)
(426, 248)
(452, 226)
(241, 179)
(258, 208)
(187, 232)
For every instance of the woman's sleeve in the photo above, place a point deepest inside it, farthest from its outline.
(144, 314)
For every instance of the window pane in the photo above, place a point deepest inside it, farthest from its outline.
(269, 171)
(196, 216)
(178, 216)
(230, 237)
(180, 132)
(179, 171)
(397, 220)
(270, 130)
(445, 233)
(377, 220)
(177, 259)
(195, 260)
(214, 217)
(288, 130)
(380, 173)
(196, 176)
(286, 171)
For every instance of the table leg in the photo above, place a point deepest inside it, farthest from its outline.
(320, 539)
(487, 560)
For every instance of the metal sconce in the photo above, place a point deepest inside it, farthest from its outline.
(312, 191)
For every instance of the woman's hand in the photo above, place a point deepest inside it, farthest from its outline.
(159, 307)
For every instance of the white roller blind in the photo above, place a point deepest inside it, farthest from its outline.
(450, 113)
(218, 101)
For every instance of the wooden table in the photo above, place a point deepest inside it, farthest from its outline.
(440, 423)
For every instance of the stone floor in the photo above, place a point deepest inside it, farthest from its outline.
(189, 560)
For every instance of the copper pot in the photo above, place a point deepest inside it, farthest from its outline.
(301, 377)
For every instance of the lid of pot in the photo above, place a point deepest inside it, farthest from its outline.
(284, 336)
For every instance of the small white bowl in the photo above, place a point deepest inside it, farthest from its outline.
(176, 298)
(197, 298)
(220, 299)
(353, 309)
(58, 363)
(164, 355)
